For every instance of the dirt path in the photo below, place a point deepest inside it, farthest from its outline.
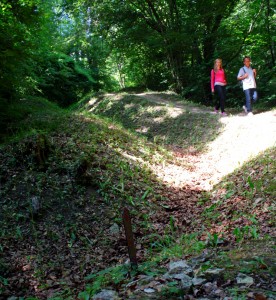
(243, 138)
(72, 236)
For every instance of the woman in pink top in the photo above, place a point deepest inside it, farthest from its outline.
(218, 85)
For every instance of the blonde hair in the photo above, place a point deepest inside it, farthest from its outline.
(215, 64)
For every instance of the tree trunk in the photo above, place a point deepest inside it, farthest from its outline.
(175, 59)
(270, 40)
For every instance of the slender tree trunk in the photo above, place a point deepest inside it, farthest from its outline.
(175, 60)
(153, 17)
(209, 46)
(121, 76)
(270, 40)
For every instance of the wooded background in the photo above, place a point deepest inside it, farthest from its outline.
(65, 49)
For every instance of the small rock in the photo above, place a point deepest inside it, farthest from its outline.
(186, 283)
(106, 295)
(132, 284)
(195, 291)
(114, 229)
(209, 287)
(198, 281)
(219, 242)
(149, 290)
(153, 284)
(160, 287)
(198, 260)
(244, 279)
(180, 267)
(167, 276)
(219, 293)
(179, 276)
(212, 274)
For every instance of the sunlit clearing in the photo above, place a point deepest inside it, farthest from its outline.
(242, 139)
(175, 112)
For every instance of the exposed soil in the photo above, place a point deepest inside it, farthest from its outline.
(53, 258)
(243, 138)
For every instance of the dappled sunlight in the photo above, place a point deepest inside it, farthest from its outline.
(174, 113)
(172, 104)
(95, 100)
(97, 165)
(221, 144)
(242, 139)
(169, 123)
(132, 157)
(143, 129)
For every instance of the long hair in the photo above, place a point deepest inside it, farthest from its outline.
(215, 64)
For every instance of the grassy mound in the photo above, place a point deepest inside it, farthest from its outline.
(67, 175)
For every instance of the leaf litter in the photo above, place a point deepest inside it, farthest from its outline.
(83, 187)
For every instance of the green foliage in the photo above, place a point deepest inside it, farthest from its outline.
(28, 116)
(163, 49)
(172, 290)
(96, 163)
(245, 232)
(107, 277)
(213, 239)
(189, 131)
(23, 35)
(248, 31)
(116, 276)
(258, 183)
(62, 80)
(110, 45)
(3, 281)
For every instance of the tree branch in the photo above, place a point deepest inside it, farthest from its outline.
(246, 34)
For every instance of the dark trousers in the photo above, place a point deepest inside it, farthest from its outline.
(220, 91)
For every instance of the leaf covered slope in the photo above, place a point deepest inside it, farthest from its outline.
(63, 189)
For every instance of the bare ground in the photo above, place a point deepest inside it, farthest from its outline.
(243, 138)
(27, 258)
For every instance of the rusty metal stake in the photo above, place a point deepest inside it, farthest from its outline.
(129, 238)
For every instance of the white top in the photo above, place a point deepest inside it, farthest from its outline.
(249, 82)
(220, 83)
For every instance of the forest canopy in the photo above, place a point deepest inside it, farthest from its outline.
(65, 49)
(98, 114)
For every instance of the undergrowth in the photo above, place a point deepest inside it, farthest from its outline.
(83, 167)
(186, 129)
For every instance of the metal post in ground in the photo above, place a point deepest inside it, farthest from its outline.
(129, 238)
